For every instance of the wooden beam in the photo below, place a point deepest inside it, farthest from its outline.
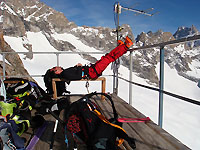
(102, 79)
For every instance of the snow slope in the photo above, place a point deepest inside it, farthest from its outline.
(181, 119)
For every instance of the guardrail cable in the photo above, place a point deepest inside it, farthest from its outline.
(165, 92)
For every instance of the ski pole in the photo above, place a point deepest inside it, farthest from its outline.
(54, 132)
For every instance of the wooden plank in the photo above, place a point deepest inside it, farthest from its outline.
(12, 82)
(102, 79)
(153, 133)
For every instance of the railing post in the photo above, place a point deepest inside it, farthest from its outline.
(4, 67)
(57, 54)
(161, 85)
(117, 62)
(130, 78)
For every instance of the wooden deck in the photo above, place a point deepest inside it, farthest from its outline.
(149, 136)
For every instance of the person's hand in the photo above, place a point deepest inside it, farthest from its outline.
(79, 64)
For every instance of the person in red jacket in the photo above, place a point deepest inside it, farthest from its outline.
(79, 72)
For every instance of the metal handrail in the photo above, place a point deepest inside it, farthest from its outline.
(59, 52)
(162, 44)
(55, 53)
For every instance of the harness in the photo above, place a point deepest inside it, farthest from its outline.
(93, 66)
(85, 71)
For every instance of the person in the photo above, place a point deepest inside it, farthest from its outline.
(93, 71)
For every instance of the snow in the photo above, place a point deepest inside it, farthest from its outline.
(34, 6)
(87, 30)
(5, 6)
(43, 16)
(101, 36)
(78, 44)
(181, 119)
(1, 19)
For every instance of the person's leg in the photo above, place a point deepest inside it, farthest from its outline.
(96, 69)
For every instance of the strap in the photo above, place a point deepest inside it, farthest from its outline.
(93, 66)
(36, 137)
(85, 72)
(131, 120)
(108, 97)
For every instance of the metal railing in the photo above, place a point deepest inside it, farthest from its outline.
(161, 79)
(44, 53)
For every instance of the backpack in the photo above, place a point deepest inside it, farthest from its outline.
(60, 86)
(24, 89)
(9, 140)
(88, 126)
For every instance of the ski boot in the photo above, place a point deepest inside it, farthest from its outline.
(120, 42)
(128, 42)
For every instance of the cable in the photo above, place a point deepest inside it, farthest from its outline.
(165, 92)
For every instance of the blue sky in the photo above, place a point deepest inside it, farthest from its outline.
(172, 13)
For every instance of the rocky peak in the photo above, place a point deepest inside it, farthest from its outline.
(101, 37)
(32, 15)
(183, 32)
(153, 38)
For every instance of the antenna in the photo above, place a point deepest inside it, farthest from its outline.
(118, 10)
(138, 11)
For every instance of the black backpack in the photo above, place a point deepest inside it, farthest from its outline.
(24, 89)
(60, 86)
(87, 125)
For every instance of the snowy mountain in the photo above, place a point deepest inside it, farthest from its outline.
(22, 16)
(183, 32)
(29, 25)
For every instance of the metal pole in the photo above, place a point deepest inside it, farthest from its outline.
(4, 67)
(3, 49)
(117, 61)
(57, 54)
(161, 85)
(130, 78)
(115, 71)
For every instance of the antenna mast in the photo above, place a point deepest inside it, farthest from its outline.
(118, 10)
